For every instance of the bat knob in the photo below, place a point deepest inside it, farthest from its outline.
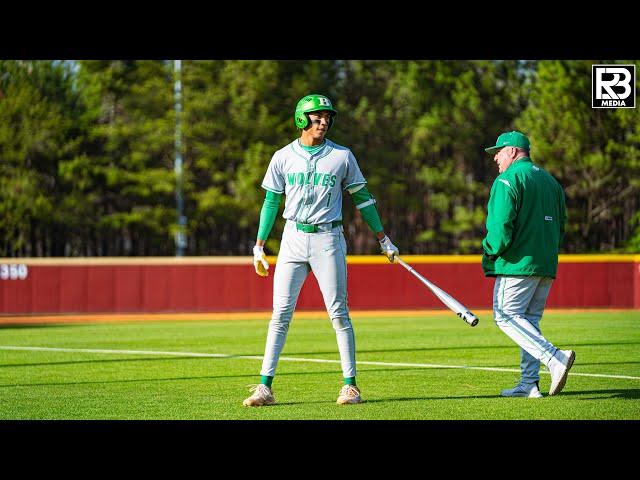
(469, 317)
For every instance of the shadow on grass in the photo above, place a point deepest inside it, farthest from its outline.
(465, 347)
(625, 394)
(332, 352)
(110, 360)
(606, 363)
(362, 368)
(412, 399)
(171, 359)
(255, 376)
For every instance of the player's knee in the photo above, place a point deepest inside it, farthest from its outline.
(341, 323)
(338, 309)
(282, 314)
(279, 323)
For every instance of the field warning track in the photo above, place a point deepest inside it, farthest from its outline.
(486, 315)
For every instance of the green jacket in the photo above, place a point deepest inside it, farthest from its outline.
(525, 222)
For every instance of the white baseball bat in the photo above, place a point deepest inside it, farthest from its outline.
(454, 305)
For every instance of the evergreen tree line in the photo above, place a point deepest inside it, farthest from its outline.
(88, 149)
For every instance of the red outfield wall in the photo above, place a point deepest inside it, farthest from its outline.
(201, 284)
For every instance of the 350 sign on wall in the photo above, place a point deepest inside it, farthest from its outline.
(13, 271)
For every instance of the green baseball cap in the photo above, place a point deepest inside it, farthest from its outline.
(510, 139)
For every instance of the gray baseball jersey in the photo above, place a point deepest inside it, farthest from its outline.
(313, 184)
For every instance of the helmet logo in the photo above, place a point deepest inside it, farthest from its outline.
(312, 103)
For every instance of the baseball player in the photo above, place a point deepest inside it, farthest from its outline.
(312, 172)
(525, 227)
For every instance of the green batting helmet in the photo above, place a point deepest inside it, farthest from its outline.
(312, 103)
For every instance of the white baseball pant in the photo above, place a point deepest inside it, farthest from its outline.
(323, 252)
(518, 305)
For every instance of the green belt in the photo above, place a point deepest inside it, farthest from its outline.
(309, 228)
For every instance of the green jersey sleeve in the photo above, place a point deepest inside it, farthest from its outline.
(365, 202)
(268, 214)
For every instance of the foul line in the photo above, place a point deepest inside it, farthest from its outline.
(292, 359)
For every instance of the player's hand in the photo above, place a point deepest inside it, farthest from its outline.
(260, 261)
(389, 249)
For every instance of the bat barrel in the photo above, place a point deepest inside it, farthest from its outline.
(444, 297)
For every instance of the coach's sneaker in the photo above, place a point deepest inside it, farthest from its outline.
(529, 390)
(559, 369)
(349, 394)
(262, 395)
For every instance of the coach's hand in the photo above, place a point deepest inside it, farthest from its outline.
(389, 249)
(260, 261)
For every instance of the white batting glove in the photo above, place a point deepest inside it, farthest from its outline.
(260, 261)
(389, 249)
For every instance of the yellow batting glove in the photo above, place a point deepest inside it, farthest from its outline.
(260, 261)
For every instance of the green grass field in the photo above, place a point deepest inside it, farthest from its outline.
(402, 370)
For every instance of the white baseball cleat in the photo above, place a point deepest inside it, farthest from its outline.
(559, 368)
(262, 395)
(529, 390)
(349, 394)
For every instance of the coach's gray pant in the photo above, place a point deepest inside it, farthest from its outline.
(324, 253)
(518, 305)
